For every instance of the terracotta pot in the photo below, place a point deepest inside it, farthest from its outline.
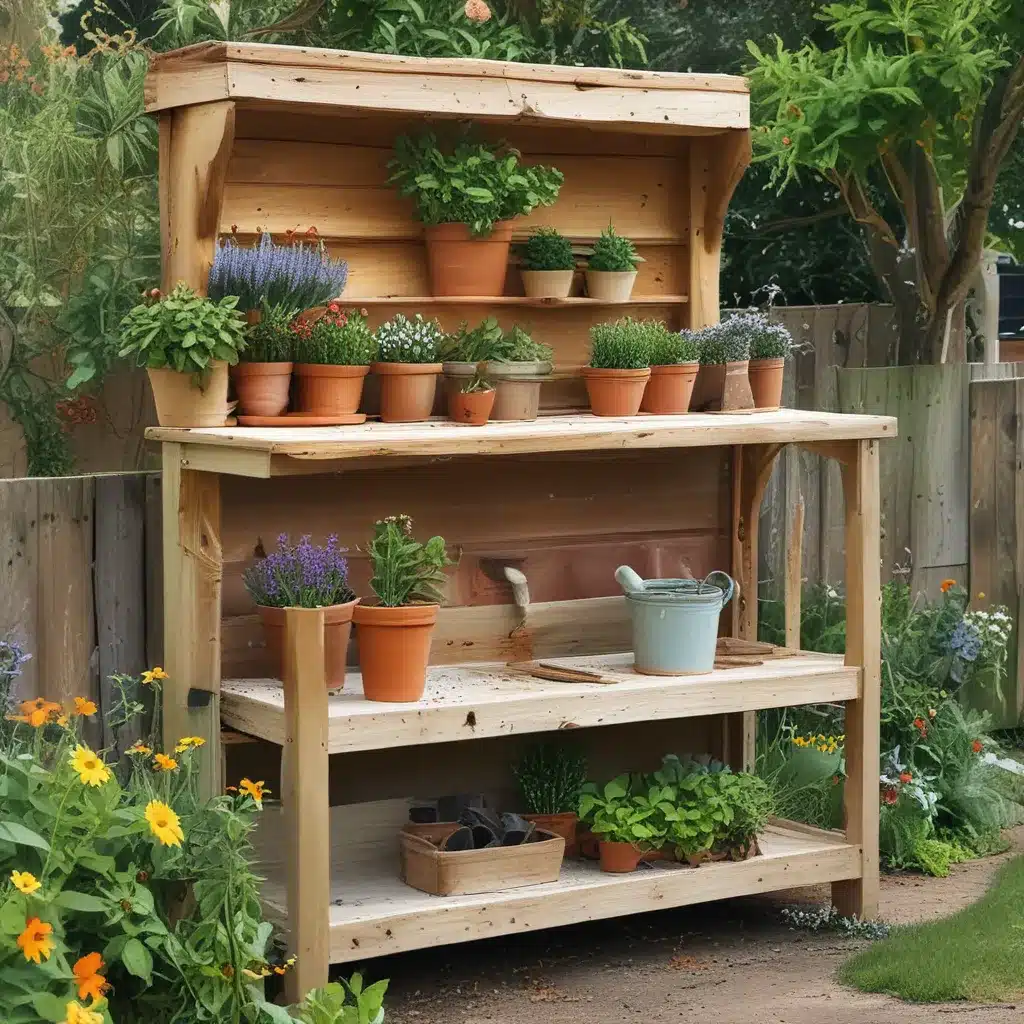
(587, 845)
(736, 392)
(456, 376)
(766, 382)
(461, 264)
(394, 648)
(262, 388)
(337, 630)
(670, 388)
(707, 392)
(473, 409)
(615, 392)
(611, 285)
(181, 403)
(406, 390)
(547, 284)
(563, 825)
(328, 390)
(619, 858)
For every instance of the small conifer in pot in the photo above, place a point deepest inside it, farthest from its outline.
(611, 269)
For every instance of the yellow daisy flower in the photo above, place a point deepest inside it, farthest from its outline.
(188, 742)
(84, 707)
(163, 763)
(138, 747)
(254, 789)
(164, 823)
(26, 882)
(154, 674)
(75, 1013)
(91, 770)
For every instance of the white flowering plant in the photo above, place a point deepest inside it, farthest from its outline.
(401, 340)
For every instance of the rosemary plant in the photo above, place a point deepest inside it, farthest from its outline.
(622, 345)
(551, 779)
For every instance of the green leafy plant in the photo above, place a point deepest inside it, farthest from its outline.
(618, 814)
(613, 252)
(669, 348)
(551, 779)
(401, 340)
(271, 340)
(404, 570)
(547, 249)
(622, 345)
(473, 183)
(344, 1002)
(517, 346)
(184, 332)
(474, 345)
(477, 383)
(337, 338)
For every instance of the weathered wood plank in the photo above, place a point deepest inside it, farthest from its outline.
(19, 595)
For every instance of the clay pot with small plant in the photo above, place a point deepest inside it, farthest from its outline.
(185, 342)
(263, 375)
(723, 383)
(467, 197)
(465, 350)
(628, 820)
(620, 366)
(551, 779)
(394, 633)
(674, 368)
(408, 364)
(547, 265)
(611, 268)
(471, 405)
(333, 354)
(518, 369)
(770, 346)
(304, 575)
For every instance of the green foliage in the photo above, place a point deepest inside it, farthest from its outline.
(622, 345)
(473, 183)
(338, 338)
(477, 383)
(613, 252)
(672, 347)
(590, 32)
(184, 332)
(551, 778)
(474, 345)
(405, 571)
(271, 340)
(344, 1002)
(517, 346)
(401, 340)
(546, 249)
(617, 813)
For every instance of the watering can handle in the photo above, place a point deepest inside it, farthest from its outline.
(629, 580)
(730, 589)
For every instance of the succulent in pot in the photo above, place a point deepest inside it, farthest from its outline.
(674, 366)
(185, 342)
(471, 404)
(263, 375)
(620, 366)
(332, 358)
(551, 778)
(770, 346)
(304, 575)
(547, 265)
(723, 383)
(518, 369)
(467, 195)
(394, 634)
(408, 362)
(611, 269)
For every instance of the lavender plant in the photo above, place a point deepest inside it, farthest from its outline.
(725, 342)
(12, 660)
(405, 571)
(401, 340)
(295, 277)
(304, 575)
(767, 340)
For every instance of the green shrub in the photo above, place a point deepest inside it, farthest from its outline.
(613, 252)
(622, 345)
(546, 249)
(669, 348)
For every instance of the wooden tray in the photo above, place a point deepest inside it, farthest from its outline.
(301, 419)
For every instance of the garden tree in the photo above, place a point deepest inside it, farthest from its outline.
(1007, 220)
(923, 98)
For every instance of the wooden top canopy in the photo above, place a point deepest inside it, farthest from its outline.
(484, 89)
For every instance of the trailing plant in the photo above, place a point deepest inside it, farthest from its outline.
(303, 575)
(184, 332)
(622, 345)
(271, 340)
(476, 384)
(517, 346)
(551, 779)
(724, 342)
(344, 1002)
(474, 345)
(547, 249)
(473, 183)
(401, 340)
(294, 277)
(404, 570)
(339, 337)
(613, 252)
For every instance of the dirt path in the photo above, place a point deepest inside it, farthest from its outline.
(725, 963)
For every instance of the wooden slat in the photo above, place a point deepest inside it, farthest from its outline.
(19, 553)
(154, 570)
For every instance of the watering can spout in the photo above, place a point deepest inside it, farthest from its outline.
(629, 580)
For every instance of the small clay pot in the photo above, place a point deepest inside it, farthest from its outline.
(394, 649)
(563, 825)
(464, 264)
(547, 284)
(262, 388)
(180, 402)
(337, 630)
(407, 390)
(765, 377)
(587, 845)
(328, 390)
(610, 285)
(707, 391)
(471, 408)
(669, 390)
(619, 858)
(615, 392)
(736, 392)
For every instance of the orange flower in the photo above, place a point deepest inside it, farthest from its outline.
(35, 941)
(890, 795)
(906, 777)
(91, 984)
(36, 712)
(977, 746)
(947, 585)
(85, 707)
(921, 727)
(164, 763)
(256, 790)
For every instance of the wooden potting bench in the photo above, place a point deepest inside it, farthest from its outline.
(281, 138)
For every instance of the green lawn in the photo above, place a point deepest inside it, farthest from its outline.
(977, 954)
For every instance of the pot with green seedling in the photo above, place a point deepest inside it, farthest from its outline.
(611, 269)
(408, 364)
(547, 265)
(551, 780)
(333, 355)
(770, 347)
(465, 351)
(518, 369)
(723, 384)
(628, 816)
(620, 366)
(674, 369)
(471, 405)
(262, 376)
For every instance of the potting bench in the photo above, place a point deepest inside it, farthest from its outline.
(282, 138)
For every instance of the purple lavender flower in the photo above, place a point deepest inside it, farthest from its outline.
(304, 575)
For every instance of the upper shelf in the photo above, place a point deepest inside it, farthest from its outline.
(508, 300)
(273, 451)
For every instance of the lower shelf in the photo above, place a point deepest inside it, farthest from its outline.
(374, 913)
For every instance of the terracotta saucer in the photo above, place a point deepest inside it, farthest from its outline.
(301, 419)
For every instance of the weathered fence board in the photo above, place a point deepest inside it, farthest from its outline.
(19, 555)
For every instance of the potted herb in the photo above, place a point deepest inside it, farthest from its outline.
(518, 369)
(674, 366)
(551, 780)
(627, 824)
(408, 354)
(394, 634)
(304, 575)
(722, 383)
(466, 198)
(333, 355)
(186, 343)
(547, 265)
(611, 269)
(473, 402)
(620, 366)
(770, 347)
(465, 350)
(263, 375)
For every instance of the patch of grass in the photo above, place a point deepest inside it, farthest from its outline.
(975, 955)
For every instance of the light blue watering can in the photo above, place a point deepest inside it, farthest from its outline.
(675, 622)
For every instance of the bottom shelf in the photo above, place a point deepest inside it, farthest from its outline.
(374, 914)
